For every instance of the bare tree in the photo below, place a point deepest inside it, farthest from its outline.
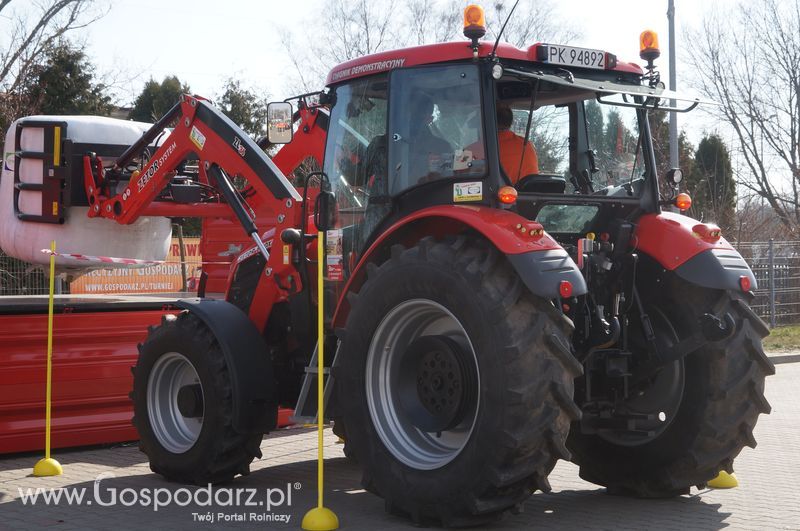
(755, 222)
(354, 28)
(349, 29)
(533, 21)
(32, 30)
(430, 22)
(750, 63)
(27, 31)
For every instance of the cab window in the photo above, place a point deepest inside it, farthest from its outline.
(435, 126)
(353, 157)
(355, 162)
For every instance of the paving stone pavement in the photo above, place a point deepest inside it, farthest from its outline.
(767, 497)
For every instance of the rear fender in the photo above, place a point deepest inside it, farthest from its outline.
(678, 244)
(255, 408)
(538, 259)
(717, 269)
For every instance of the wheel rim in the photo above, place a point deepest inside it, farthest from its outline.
(396, 365)
(173, 380)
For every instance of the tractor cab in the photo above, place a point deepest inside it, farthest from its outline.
(444, 125)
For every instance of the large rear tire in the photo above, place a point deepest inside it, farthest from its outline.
(183, 405)
(720, 398)
(455, 383)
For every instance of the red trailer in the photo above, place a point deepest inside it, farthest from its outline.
(94, 348)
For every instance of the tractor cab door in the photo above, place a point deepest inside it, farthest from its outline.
(435, 132)
(397, 143)
(356, 165)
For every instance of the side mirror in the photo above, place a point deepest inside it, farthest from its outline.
(674, 176)
(325, 210)
(279, 122)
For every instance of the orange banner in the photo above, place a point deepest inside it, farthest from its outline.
(162, 278)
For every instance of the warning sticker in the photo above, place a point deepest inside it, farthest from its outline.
(198, 138)
(467, 191)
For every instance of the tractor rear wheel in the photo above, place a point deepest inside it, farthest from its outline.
(455, 383)
(708, 403)
(183, 405)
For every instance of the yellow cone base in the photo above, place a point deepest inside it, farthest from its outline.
(320, 519)
(724, 481)
(47, 466)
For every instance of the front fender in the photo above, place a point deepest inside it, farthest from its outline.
(538, 259)
(255, 409)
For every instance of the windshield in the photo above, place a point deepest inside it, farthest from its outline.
(614, 136)
(611, 134)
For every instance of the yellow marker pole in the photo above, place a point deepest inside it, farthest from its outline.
(48, 466)
(320, 518)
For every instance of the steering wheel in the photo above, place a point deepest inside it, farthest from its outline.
(542, 183)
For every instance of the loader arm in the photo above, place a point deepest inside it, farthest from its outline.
(202, 130)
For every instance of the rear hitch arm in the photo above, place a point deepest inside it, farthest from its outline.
(711, 330)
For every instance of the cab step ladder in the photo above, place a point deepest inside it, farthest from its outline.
(306, 410)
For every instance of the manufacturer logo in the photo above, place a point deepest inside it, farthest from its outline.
(237, 143)
(156, 164)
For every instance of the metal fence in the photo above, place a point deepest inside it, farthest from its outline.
(776, 265)
(21, 278)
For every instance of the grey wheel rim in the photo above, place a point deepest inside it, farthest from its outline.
(176, 432)
(412, 446)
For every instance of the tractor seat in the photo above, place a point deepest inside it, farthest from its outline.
(542, 183)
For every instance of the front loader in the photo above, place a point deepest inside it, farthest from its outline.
(486, 322)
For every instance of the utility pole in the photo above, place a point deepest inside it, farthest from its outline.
(673, 116)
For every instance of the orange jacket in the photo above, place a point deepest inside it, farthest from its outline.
(511, 150)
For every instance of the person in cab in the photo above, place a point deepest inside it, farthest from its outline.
(517, 157)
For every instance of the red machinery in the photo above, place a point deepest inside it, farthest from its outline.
(484, 327)
(96, 337)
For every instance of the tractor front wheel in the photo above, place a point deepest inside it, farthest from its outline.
(183, 405)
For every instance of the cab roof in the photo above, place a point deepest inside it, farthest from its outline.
(440, 53)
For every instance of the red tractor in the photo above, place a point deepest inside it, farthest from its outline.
(494, 308)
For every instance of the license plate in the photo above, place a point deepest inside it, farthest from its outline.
(569, 56)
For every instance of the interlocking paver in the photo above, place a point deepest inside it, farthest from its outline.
(766, 499)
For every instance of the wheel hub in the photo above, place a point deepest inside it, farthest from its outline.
(435, 367)
(175, 402)
(190, 401)
(422, 384)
